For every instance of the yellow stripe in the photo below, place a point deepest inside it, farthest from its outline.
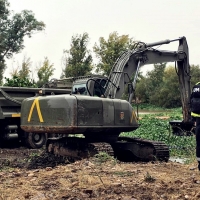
(195, 115)
(35, 102)
(31, 111)
(133, 117)
(16, 115)
(39, 111)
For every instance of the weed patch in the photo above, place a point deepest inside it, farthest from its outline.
(149, 178)
(157, 129)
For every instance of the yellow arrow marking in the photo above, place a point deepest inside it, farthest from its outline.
(133, 117)
(35, 102)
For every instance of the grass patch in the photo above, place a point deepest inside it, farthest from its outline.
(123, 173)
(145, 106)
(156, 129)
(103, 157)
(149, 178)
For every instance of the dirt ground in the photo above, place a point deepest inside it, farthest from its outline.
(35, 175)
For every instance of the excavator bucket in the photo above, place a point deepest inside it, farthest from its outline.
(180, 128)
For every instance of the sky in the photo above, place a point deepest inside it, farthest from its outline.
(146, 21)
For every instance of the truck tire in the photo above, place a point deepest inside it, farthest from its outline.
(36, 140)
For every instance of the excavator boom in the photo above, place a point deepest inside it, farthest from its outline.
(131, 61)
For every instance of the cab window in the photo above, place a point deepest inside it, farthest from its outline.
(79, 89)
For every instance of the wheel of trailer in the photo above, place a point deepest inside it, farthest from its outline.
(36, 140)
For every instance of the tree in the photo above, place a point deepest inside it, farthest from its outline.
(108, 51)
(170, 92)
(169, 95)
(20, 76)
(141, 90)
(78, 60)
(13, 29)
(195, 74)
(24, 72)
(148, 87)
(45, 72)
(161, 88)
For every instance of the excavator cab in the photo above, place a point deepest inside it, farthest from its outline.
(79, 89)
(89, 85)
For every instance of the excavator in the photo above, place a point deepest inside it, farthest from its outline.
(93, 116)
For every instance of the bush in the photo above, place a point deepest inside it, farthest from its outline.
(17, 81)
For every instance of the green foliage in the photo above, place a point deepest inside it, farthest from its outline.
(195, 74)
(154, 83)
(156, 75)
(108, 51)
(17, 81)
(103, 157)
(78, 60)
(156, 129)
(123, 173)
(24, 72)
(148, 88)
(169, 92)
(149, 178)
(141, 91)
(45, 72)
(2, 68)
(13, 29)
(20, 78)
(160, 86)
(150, 107)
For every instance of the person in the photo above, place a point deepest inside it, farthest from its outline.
(195, 113)
(75, 92)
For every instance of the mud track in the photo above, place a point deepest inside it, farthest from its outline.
(35, 175)
(22, 157)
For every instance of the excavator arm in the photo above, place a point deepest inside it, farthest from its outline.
(129, 63)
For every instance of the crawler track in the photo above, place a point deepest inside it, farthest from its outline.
(125, 149)
(77, 148)
(134, 149)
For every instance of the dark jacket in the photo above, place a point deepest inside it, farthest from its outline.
(195, 100)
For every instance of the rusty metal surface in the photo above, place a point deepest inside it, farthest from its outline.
(49, 129)
(104, 131)
(77, 148)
